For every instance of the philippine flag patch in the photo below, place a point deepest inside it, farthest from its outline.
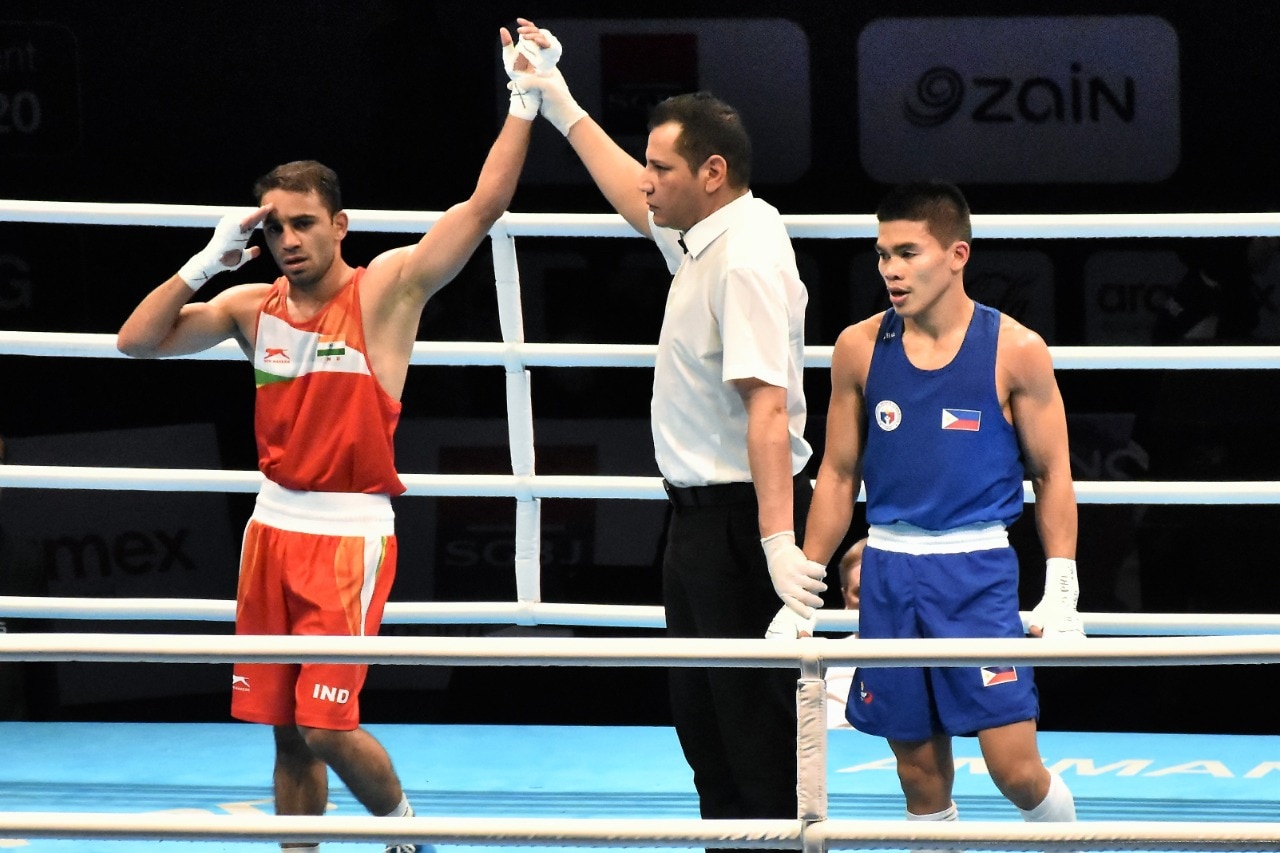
(966, 420)
(993, 675)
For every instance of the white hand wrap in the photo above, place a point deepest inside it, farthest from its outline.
(558, 106)
(543, 59)
(789, 625)
(227, 240)
(1056, 613)
(524, 101)
(797, 579)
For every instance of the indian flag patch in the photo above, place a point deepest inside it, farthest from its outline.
(331, 348)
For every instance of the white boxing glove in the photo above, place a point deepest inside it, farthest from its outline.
(1056, 614)
(797, 579)
(789, 625)
(227, 250)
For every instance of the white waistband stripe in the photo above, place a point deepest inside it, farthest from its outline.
(906, 539)
(324, 513)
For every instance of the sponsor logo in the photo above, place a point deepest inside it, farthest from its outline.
(276, 355)
(1020, 99)
(888, 415)
(130, 552)
(240, 682)
(940, 92)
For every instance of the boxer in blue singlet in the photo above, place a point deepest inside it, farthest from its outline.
(941, 407)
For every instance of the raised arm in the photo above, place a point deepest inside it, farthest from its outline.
(167, 323)
(412, 274)
(614, 171)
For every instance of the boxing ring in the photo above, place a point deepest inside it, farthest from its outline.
(866, 813)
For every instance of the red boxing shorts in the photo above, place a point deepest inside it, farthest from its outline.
(312, 563)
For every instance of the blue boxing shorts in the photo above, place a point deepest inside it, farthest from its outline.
(972, 593)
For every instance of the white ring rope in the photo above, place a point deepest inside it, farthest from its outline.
(808, 654)
(1022, 226)
(812, 835)
(656, 832)
(1249, 639)
(500, 354)
(1208, 492)
(597, 615)
(516, 356)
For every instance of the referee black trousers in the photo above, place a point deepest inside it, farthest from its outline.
(737, 726)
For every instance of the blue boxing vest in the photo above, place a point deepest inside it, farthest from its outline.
(939, 453)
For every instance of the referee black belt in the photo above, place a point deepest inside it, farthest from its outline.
(717, 494)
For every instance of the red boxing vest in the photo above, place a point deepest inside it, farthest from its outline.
(322, 421)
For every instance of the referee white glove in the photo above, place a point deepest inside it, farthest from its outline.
(227, 250)
(788, 625)
(797, 580)
(558, 106)
(1056, 614)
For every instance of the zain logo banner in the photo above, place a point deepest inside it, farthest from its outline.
(1020, 100)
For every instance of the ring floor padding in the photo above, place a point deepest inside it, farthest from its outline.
(587, 772)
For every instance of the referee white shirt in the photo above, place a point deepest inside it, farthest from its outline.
(735, 310)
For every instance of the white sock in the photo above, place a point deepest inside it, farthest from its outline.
(1058, 805)
(402, 810)
(948, 814)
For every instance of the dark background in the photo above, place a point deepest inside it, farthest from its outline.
(188, 102)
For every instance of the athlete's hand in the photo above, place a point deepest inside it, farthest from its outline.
(558, 105)
(1056, 617)
(540, 49)
(789, 625)
(228, 249)
(519, 59)
(797, 579)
